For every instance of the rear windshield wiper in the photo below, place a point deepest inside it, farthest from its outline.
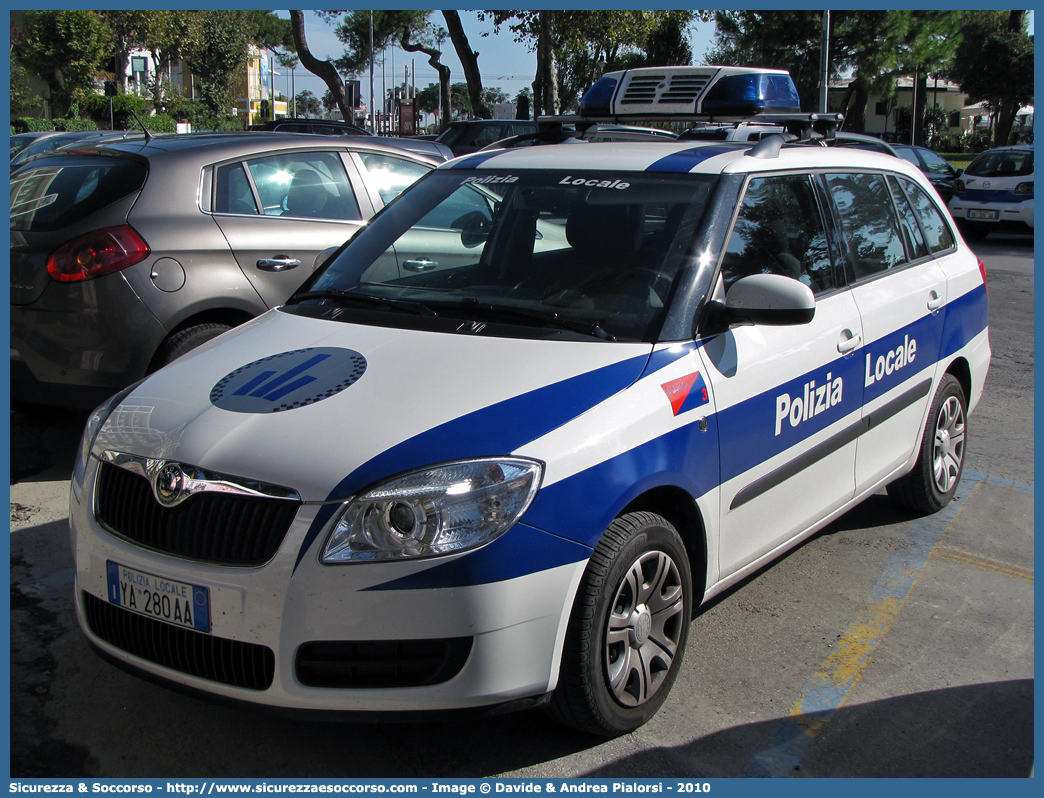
(472, 307)
(380, 302)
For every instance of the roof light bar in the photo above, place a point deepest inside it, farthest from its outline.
(692, 92)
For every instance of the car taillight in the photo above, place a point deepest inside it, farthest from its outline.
(1024, 188)
(982, 271)
(96, 254)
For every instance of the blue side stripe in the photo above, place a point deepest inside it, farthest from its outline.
(685, 160)
(498, 429)
(582, 506)
(476, 159)
(579, 508)
(520, 551)
(993, 195)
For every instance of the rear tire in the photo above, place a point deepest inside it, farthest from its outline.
(628, 629)
(933, 482)
(186, 340)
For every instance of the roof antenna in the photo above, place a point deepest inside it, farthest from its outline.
(148, 136)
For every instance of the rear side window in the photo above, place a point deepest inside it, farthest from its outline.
(936, 230)
(780, 231)
(869, 222)
(915, 247)
(66, 190)
(488, 134)
(392, 175)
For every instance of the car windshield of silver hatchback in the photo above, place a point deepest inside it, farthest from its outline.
(587, 251)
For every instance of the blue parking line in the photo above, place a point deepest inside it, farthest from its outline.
(825, 692)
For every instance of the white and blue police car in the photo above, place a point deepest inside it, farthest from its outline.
(995, 192)
(497, 451)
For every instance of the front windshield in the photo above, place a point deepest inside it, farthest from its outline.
(594, 253)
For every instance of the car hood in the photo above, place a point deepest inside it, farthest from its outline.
(327, 408)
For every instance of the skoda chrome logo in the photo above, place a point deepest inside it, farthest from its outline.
(168, 484)
(288, 380)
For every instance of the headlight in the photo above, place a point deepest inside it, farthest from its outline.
(93, 427)
(1024, 189)
(435, 511)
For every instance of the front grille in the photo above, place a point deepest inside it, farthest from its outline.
(216, 659)
(381, 663)
(210, 527)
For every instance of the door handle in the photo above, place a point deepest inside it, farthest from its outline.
(280, 263)
(849, 341)
(934, 301)
(420, 265)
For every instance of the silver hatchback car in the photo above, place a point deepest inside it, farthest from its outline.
(126, 255)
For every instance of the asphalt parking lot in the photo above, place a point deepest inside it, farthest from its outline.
(889, 645)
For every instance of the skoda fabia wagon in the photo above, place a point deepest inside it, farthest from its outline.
(503, 469)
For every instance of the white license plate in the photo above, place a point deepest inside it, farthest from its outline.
(982, 214)
(177, 603)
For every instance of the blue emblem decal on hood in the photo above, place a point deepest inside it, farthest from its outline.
(288, 380)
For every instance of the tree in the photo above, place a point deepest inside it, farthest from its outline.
(219, 52)
(130, 30)
(877, 46)
(323, 69)
(994, 62)
(469, 62)
(67, 49)
(575, 47)
(308, 104)
(411, 30)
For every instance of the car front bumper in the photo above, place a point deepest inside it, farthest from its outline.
(506, 633)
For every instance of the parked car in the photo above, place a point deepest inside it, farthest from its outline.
(940, 172)
(19, 141)
(52, 142)
(466, 137)
(127, 254)
(509, 480)
(322, 127)
(995, 192)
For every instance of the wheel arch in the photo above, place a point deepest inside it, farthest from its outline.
(677, 506)
(233, 317)
(961, 371)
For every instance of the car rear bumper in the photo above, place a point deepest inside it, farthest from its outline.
(80, 343)
(998, 213)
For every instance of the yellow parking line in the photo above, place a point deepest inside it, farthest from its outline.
(983, 563)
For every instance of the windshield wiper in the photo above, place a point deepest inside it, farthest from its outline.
(418, 308)
(472, 307)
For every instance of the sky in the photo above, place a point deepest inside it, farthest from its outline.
(503, 62)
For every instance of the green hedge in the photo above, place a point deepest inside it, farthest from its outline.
(160, 123)
(29, 124)
(74, 125)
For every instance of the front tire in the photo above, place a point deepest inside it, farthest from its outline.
(933, 482)
(627, 633)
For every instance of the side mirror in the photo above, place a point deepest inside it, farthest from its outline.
(474, 228)
(323, 257)
(769, 299)
(959, 173)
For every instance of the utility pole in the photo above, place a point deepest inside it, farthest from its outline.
(373, 105)
(824, 86)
